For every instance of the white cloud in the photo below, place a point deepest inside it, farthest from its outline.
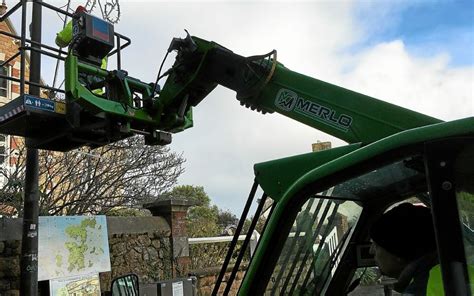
(387, 71)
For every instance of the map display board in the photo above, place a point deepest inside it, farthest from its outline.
(84, 285)
(72, 246)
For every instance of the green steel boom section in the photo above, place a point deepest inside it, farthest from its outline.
(119, 101)
(261, 83)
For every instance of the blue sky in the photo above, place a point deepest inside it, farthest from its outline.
(426, 27)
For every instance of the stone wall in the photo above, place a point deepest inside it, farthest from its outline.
(155, 248)
(207, 277)
(208, 255)
(10, 267)
(141, 245)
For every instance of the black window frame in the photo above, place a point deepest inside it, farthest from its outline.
(430, 151)
(4, 146)
(4, 83)
(440, 159)
(265, 269)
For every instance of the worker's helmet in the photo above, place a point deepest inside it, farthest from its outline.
(80, 8)
(405, 231)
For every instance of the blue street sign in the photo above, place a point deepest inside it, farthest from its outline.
(37, 103)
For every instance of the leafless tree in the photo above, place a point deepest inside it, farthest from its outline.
(127, 173)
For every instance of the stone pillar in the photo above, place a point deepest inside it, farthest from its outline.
(175, 212)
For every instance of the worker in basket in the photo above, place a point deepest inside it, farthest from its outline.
(64, 38)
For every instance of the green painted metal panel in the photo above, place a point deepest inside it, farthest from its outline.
(345, 114)
(271, 87)
(122, 106)
(180, 84)
(277, 175)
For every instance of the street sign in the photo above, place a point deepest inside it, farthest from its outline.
(45, 104)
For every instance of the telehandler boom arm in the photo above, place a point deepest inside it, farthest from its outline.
(103, 106)
(264, 84)
(261, 83)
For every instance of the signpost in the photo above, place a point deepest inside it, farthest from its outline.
(29, 249)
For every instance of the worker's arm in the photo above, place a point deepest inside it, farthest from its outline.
(64, 37)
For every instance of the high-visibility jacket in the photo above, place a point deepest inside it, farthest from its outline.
(435, 286)
(64, 37)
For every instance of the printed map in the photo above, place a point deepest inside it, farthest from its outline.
(72, 246)
(85, 285)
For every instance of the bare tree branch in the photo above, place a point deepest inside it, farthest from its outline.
(126, 173)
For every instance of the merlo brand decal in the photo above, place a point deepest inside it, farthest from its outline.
(289, 101)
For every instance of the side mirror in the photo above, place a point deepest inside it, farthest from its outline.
(126, 285)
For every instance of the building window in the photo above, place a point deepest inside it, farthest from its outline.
(4, 166)
(3, 149)
(4, 70)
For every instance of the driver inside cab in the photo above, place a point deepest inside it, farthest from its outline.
(404, 248)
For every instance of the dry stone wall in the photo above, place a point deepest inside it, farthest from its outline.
(207, 277)
(140, 245)
(146, 254)
(10, 267)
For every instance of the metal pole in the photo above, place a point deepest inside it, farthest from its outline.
(22, 46)
(57, 62)
(119, 54)
(29, 250)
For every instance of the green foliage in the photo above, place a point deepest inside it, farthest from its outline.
(127, 212)
(190, 192)
(258, 227)
(203, 219)
(246, 226)
(368, 276)
(466, 208)
(212, 255)
(226, 218)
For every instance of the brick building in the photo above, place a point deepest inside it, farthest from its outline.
(9, 90)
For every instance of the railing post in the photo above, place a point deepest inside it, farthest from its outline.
(253, 242)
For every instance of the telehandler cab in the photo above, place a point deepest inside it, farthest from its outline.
(323, 203)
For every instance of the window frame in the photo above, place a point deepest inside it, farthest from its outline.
(266, 268)
(7, 87)
(4, 143)
(440, 158)
(5, 164)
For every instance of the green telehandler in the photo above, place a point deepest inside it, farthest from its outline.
(393, 154)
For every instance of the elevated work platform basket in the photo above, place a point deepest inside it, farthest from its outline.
(48, 126)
